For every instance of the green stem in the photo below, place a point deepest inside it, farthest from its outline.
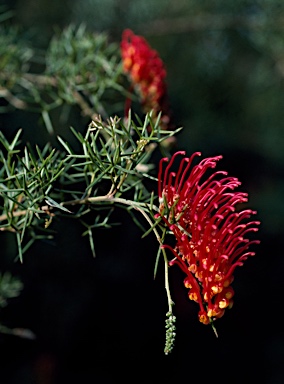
(138, 207)
(111, 199)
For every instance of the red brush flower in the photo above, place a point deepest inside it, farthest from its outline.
(210, 232)
(146, 71)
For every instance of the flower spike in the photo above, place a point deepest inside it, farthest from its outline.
(211, 234)
(145, 68)
(147, 74)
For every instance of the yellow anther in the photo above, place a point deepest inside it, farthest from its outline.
(187, 284)
(223, 303)
(211, 313)
(192, 268)
(216, 289)
(218, 277)
(228, 295)
(193, 296)
(199, 275)
(204, 319)
(226, 283)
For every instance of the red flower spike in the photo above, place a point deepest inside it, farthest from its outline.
(210, 233)
(147, 74)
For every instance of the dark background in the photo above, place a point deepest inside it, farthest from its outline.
(102, 320)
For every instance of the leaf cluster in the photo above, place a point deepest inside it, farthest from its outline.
(111, 168)
(78, 68)
(79, 61)
(26, 180)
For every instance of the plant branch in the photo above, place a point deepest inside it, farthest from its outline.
(136, 206)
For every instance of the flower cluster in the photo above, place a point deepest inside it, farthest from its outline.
(146, 71)
(210, 232)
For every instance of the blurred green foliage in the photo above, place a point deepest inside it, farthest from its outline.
(10, 287)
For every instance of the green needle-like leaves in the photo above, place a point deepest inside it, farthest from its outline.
(110, 169)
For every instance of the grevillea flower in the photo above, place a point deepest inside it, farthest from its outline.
(211, 233)
(146, 71)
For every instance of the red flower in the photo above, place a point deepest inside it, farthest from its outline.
(210, 232)
(146, 70)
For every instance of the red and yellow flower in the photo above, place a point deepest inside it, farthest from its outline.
(211, 233)
(145, 69)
